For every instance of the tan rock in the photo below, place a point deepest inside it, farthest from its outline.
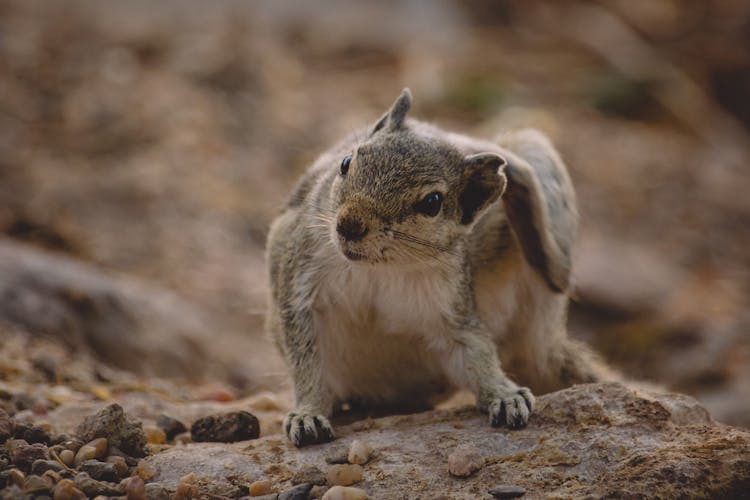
(345, 493)
(344, 474)
(260, 488)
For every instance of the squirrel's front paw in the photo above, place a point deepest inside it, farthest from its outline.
(305, 428)
(512, 409)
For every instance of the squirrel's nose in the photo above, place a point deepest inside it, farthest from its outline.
(351, 228)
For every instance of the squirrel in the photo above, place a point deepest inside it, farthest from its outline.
(410, 260)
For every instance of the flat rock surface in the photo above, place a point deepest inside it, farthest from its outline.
(602, 440)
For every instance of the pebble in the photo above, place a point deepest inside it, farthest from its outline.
(14, 476)
(120, 465)
(6, 426)
(171, 426)
(66, 490)
(89, 451)
(92, 487)
(464, 461)
(67, 457)
(317, 492)
(155, 491)
(53, 476)
(145, 471)
(187, 487)
(36, 484)
(359, 452)
(299, 492)
(32, 433)
(135, 489)
(259, 488)
(344, 474)
(23, 455)
(101, 471)
(226, 428)
(338, 455)
(121, 430)
(507, 491)
(39, 467)
(345, 493)
(154, 435)
(183, 438)
(309, 474)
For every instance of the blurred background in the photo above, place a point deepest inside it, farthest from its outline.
(146, 145)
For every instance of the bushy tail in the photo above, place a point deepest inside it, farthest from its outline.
(576, 363)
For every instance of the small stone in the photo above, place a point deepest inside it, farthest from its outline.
(92, 487)
(155, 435)
(183, 438)
(32, 434)
(359, 452)
(39, 467)
(338, 455)
(53, 476)
(309, 474)
(135, 489)
(72, 444)
(155, 491)
(345, 493)
(120, 465)
(317, 492)
(171, 426)
(464, 461)
(23, 455)
(507, 491)
(67, 457)
(226, 428)
(145, 471)
(66, 490)
(85, 453)
(344, 474)
(299, 492)
(36, 484)
(6, 426)
(100, 471)
(259, 488)
(121, 430)
(14, 476)
(187, 487)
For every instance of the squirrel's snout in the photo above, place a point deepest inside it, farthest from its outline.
(351, 228)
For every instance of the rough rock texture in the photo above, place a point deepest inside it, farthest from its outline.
(121, 430)
(226, 428)
(599, 440)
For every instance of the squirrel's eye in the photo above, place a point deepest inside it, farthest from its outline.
(345, 164)
(430, 204)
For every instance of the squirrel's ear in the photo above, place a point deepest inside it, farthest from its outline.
(394, 118)
(541, 205)
(482, 183)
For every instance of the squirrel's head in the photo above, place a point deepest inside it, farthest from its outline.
(403, 195)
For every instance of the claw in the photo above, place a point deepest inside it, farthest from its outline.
(303, 429)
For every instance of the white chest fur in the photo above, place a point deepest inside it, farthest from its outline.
(380, 329)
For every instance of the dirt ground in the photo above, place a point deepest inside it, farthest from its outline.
(150, 144)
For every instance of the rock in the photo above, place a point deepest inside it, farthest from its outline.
(39, 467)
(171, 426)
(36, 484)
(260, 488)
(101, 471)
(507, 491)
(67, 457)
(12, 477)
(359, 452)
(226, 428)
(6, 426)
(344, 474)
(338, 455)
(121, 431)
(155, 491)
(345, 493)
(66, 490)
(464, 461)
(32, 434)
(299, 492)
(92, 487)
(145, 471)
(155, 435)
(120, 465)
(22, 454)
(91, 450)
(187, 487)
(310, 474)
(593, 440)
(135, 489)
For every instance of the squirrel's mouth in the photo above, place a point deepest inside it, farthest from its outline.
(353, 255)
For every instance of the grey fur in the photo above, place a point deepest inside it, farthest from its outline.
(375, 299)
